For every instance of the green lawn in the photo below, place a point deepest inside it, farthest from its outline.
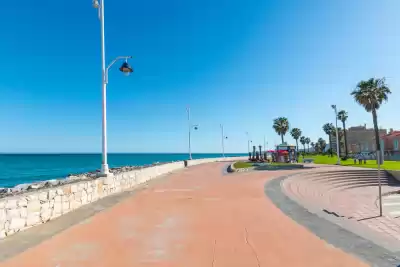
(242, 164)
(320, 159)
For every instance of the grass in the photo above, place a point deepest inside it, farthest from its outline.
(321, 159)
(243, 164)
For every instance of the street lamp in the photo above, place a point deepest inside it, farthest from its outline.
(337, 135)
(248, 142)
(191, 126)
(265, 148)
(125, 68)
(223, 137)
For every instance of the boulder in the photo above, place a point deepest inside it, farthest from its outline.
(57, 208)
(17, 223)
(22, 202)
(33, 206)
(45, 215)
(3, 216)
(37, 186)
(2, 234)
(53, 182)
(33, 219)
(45, 206)
(13, 213)
(4, 190)
(43, 196)
(23, 212)
(11, 204)
(52, 194)
(32, 197)
(20, 188)
(74, 188)
(60, 192)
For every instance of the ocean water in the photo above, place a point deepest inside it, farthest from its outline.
(27, 168)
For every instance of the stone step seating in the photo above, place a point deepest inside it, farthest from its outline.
(354, 178)
(349, 192)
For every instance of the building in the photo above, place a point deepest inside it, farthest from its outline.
(362, 139)
(359, 139)
(391, 141)
(390, 144)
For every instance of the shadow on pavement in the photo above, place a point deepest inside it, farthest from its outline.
(369, 218)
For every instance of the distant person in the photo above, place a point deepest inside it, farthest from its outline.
(355, 159)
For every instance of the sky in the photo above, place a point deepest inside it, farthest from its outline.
(236, 63)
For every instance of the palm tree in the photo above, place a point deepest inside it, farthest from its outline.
(329, 129)
(312, 144)
(342, 116)
(317, 148)
(321, 144)
(303, 142)
(296, 133)
(308, 142)
(371, 94)
(281, 126)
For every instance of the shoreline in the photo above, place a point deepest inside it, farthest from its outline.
(17, 169)
(69, 179)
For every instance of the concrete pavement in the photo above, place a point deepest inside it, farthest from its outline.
(196, 217)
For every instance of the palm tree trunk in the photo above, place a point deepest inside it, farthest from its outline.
(282, 138)
(345, 139)
(308, 148)
(377, 140)
(297, 145)
(330, 144)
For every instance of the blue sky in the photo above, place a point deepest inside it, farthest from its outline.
(240, 63)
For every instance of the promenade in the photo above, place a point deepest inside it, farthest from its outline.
(200, 216)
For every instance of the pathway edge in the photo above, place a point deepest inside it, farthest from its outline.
(328, 231)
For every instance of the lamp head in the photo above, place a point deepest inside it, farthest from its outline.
(126, 68)
(95, 3)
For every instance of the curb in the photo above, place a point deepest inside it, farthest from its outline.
(329, 231)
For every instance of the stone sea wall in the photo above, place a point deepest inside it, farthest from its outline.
(24, 210)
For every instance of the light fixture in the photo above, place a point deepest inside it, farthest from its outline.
(95, 4)
(126, 68)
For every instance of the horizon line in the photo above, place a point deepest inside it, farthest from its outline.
(99, 153)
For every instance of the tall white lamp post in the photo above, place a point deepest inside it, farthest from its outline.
(265, 148)
(248, 142)
(191, 126)
(337, 135)
(125, 68)
(223, 137)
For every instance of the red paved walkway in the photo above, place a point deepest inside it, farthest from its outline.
(197, 217)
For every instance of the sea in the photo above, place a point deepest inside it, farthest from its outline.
(28, 168)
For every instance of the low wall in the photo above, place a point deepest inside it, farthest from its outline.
(23, 211)
(201, 161)
(395, 174)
